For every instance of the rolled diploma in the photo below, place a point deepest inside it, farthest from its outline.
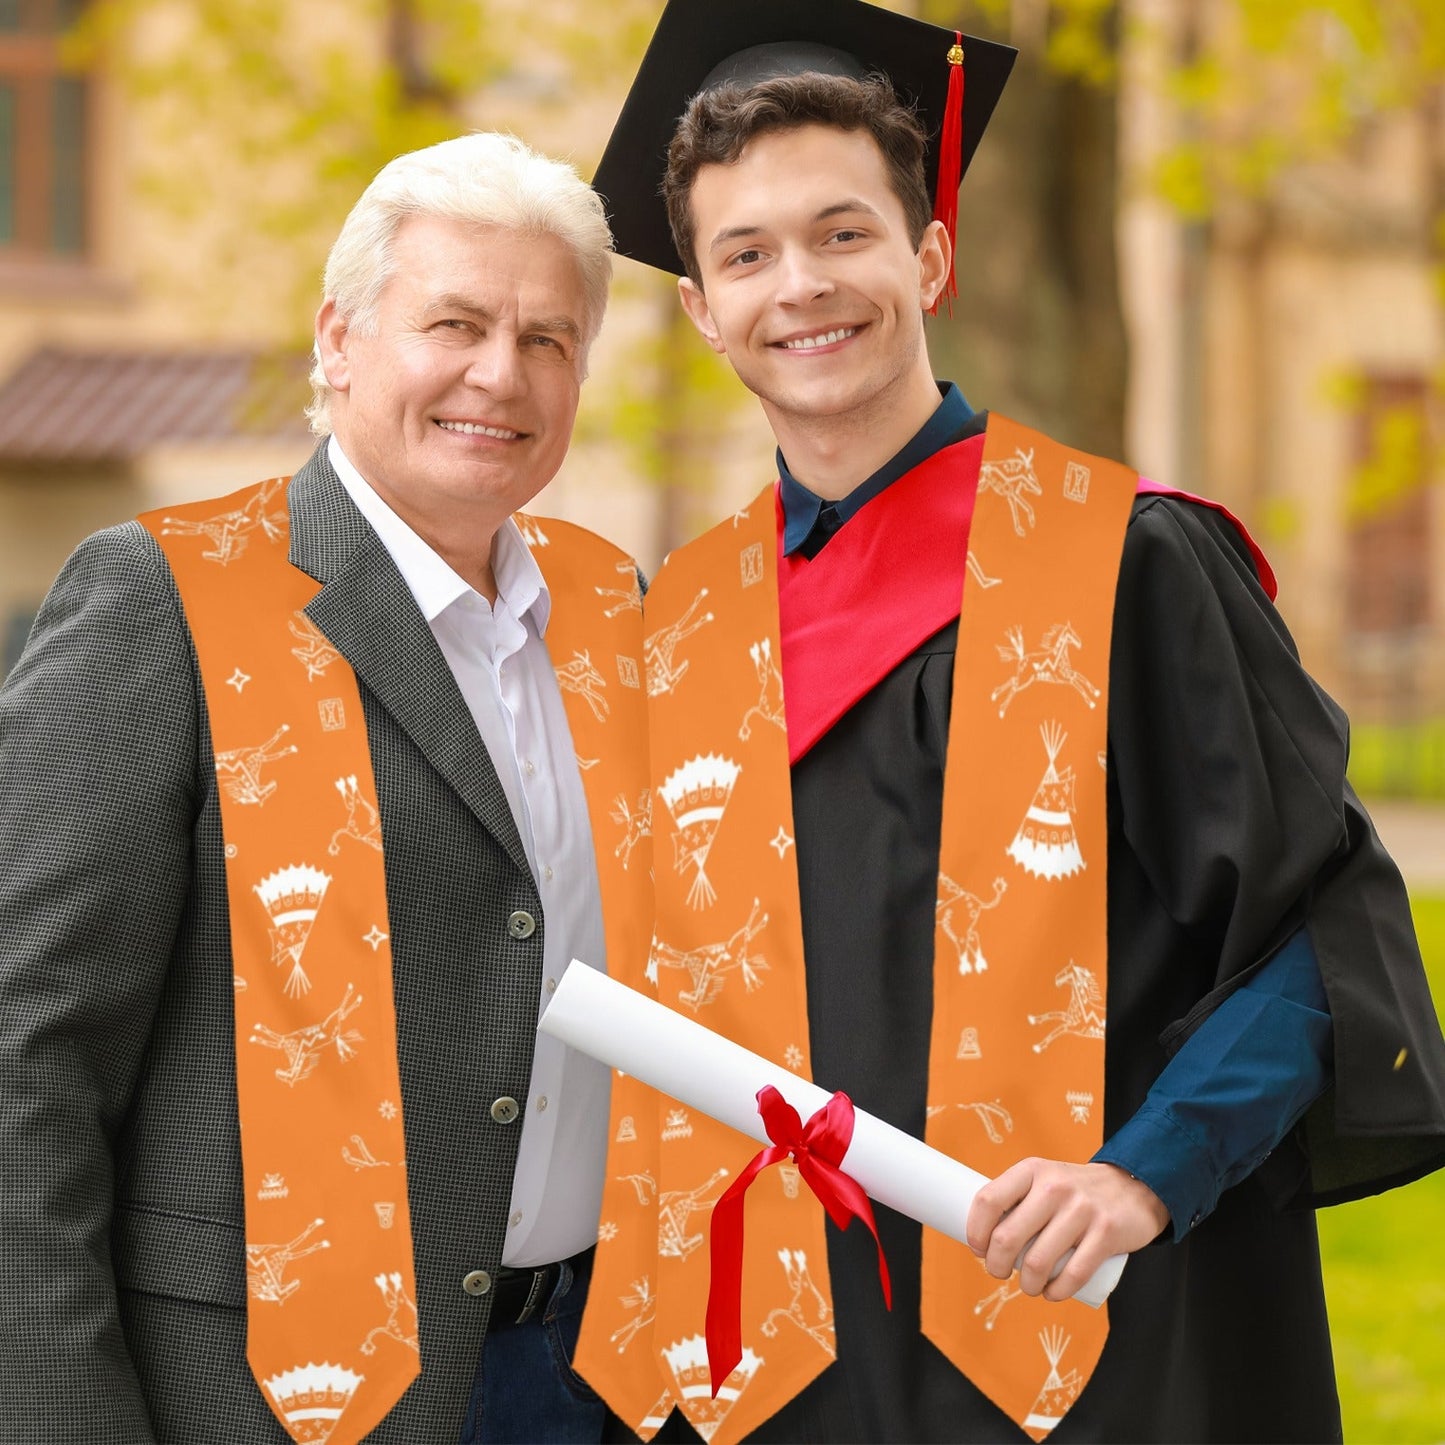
(627, 1030)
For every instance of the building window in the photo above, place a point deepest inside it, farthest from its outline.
(1389, 511)
(44, 118)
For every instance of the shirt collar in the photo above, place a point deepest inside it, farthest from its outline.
(801, 507)
(430, 578)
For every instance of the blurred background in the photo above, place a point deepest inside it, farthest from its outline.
(1204, 236)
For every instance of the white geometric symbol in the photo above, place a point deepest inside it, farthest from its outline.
(238, 679)
(781, 841)
(273, 1186)
(1080, 1104)
(1076, 482)
(375, 938)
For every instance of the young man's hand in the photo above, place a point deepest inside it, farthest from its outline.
(1094, 1209)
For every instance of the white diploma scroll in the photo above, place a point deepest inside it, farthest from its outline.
(627, 1030)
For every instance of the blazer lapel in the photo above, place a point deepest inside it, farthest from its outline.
(368, 614)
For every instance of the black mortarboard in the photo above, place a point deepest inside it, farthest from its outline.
(702, 43)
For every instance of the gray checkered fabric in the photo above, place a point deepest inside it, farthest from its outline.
(122, 1316)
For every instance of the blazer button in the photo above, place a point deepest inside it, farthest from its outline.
(521, 924)
(477, 1282)
(505, 1110)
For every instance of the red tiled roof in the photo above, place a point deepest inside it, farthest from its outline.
(60, 405)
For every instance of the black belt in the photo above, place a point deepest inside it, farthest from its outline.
(519, 1294)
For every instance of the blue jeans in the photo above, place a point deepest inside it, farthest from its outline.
(525, 1391)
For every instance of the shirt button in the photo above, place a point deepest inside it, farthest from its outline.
(478, 1282)
(542, 1104)
(530, 767)
(505, 1110)
(521, 924)
(547, 874)
(551, 985)
(516, 1218)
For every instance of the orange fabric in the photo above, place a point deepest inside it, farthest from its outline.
(1046, 537)
(332, 1325)
(602, 659)
(1016, 1059)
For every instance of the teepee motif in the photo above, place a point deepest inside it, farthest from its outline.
(1045, 844)
(697, 795)
(292, 898)
(1058, 1391)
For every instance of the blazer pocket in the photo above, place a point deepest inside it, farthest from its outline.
(158, 1251)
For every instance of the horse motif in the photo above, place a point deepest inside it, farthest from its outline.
(1014, 480)
(580, 676)
(663, 672)
(1049, 663)
(709, 965)
(229, 532)
(1083, 1016)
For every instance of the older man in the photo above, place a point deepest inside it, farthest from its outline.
(294, 841)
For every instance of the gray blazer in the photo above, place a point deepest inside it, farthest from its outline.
(123, 1307)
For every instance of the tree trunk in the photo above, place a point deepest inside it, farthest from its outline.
(1037, 331)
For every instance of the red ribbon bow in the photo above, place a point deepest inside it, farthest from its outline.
(817, 1148)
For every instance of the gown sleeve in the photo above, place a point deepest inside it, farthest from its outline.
(1227, 768)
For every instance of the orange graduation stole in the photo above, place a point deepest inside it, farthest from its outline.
(1017, 1054)
(332, 1324)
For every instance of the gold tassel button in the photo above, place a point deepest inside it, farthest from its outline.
(955, 55)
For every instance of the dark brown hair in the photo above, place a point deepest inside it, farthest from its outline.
(719, 123)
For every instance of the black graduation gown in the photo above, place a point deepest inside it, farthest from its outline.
(1230, 823)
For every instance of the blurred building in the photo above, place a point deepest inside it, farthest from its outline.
(1285, 353)
(143, 360)
(1288, 357)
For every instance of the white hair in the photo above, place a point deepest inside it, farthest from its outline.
(484, 178)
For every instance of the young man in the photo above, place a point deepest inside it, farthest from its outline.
(970, 744)
(294, 842)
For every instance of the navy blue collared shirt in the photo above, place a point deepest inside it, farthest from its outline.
(1245, 1077)
(808, 521)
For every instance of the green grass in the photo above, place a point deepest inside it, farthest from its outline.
(1405, 760)
(1385, 1280)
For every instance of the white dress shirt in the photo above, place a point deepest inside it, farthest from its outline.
(500, 662)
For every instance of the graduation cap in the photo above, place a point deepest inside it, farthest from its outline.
(952, 81)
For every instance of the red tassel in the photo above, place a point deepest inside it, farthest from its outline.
(950, 166)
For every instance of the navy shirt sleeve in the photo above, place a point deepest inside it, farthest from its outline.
(1234, 1090)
